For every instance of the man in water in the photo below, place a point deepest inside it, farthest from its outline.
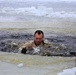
(36, 45)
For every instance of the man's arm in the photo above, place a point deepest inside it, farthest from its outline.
(25, 47)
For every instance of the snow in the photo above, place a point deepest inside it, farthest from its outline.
(71, 71)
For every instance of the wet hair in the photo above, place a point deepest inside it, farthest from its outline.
(39, 32)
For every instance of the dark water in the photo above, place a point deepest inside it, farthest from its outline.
(10, 42)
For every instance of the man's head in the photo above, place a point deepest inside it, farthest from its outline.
(38, 37)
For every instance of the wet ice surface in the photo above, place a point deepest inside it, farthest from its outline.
(71, 71)
(12, 69)
(33, 64)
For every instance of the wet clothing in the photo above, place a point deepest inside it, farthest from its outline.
(45, 49)
(32, 48)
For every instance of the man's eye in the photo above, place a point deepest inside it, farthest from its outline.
(37, 38)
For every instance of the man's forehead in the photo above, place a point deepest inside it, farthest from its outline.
(39, 34)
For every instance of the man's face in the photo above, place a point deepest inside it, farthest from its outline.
(38, 38)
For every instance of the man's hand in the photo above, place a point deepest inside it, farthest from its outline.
(23, 50)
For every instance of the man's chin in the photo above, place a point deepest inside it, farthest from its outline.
(38, 43)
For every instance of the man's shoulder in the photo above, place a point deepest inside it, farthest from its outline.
(46, 43)
(28, 43)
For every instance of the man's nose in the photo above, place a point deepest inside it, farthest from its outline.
(38, 39)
